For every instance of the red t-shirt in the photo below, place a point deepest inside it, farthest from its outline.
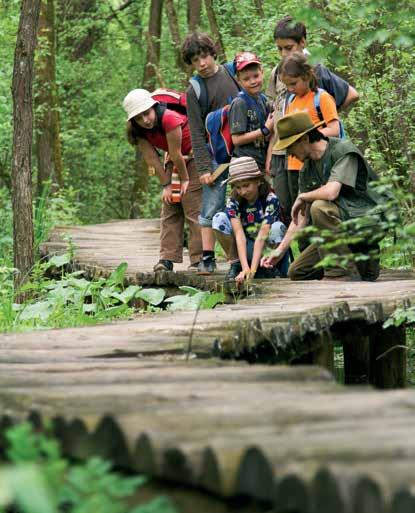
(170, 120)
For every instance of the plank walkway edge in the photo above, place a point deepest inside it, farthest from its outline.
(247, 472)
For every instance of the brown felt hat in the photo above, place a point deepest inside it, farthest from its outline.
(292, 127)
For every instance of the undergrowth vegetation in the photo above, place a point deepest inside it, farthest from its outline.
(36, 478)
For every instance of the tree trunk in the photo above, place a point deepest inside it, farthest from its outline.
(175, 33)
(22, 140)
(140, 188)
(151, 72)
(259, 7)
(48, 146)
(215, 30)
(194, 8)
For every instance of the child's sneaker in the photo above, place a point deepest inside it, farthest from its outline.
(163, 265)
(206, 266)
(234, 270)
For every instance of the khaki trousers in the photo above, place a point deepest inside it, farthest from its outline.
(325, 215)
(174, 216)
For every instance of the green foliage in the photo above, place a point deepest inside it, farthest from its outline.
(401, 316)
(42, 481)
(195, 299)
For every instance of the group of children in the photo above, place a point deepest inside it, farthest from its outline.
(253, 216)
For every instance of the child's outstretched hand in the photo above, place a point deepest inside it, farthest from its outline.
(244, 276)
(272, 259)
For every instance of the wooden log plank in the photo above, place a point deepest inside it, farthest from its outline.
(387, 356)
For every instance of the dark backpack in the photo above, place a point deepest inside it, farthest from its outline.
(316, 99)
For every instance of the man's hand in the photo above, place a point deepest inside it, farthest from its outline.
(166, 194)
(272, 260)
(298, 207)
(205, 179)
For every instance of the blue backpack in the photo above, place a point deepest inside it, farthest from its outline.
(217, 126)
(290, 98)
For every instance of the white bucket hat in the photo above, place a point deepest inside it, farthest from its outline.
(137, 101)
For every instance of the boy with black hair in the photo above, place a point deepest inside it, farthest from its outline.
(198, 50)
(290, 36)
(250, 115)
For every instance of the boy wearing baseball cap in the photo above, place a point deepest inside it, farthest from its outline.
(250, 114)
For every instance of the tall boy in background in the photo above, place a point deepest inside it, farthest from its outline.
(290, 36)
(198, 50)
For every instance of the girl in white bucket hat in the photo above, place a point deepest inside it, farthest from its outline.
(153, 125)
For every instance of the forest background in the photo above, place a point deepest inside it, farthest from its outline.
(90, 53)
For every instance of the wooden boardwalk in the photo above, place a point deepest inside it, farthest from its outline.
(289, 436)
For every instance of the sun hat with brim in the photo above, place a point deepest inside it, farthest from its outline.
(243, 168)
(292, 127)
(137, 101)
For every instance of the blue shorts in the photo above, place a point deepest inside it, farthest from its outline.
(222, 223)
(213, 199)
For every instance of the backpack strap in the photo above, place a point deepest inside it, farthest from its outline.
(288, 99)
(316, 101)
(254, 105)
(200, 89)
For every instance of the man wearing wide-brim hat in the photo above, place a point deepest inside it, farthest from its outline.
(333, 186)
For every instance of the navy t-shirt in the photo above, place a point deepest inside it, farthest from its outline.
(253, 216)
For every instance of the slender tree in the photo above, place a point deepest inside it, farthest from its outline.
(22, 139)
(175, 32)
(259, 7)
(48, 148)
(194, 9)
(215, 30)
(151, 75)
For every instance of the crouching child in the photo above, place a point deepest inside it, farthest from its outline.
(250, 223)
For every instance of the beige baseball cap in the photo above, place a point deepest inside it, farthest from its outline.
(137, 101)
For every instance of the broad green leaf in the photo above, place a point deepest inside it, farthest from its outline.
(89, 308)
(40, 310)
(129, 293)
(212, 300)
(117, 277)
(185, 302)
(152, 296)
(190, 290)
(59, 260)
(26, 486)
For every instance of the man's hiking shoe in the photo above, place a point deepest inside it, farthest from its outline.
(163, 265)
(206, 266)
(234, 270)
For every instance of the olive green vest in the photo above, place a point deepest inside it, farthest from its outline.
(358, 201)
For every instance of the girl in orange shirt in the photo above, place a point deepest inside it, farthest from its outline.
(301, 83)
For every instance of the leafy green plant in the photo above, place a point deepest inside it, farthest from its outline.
(195, 299)
(42, 481)
(401, 316)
